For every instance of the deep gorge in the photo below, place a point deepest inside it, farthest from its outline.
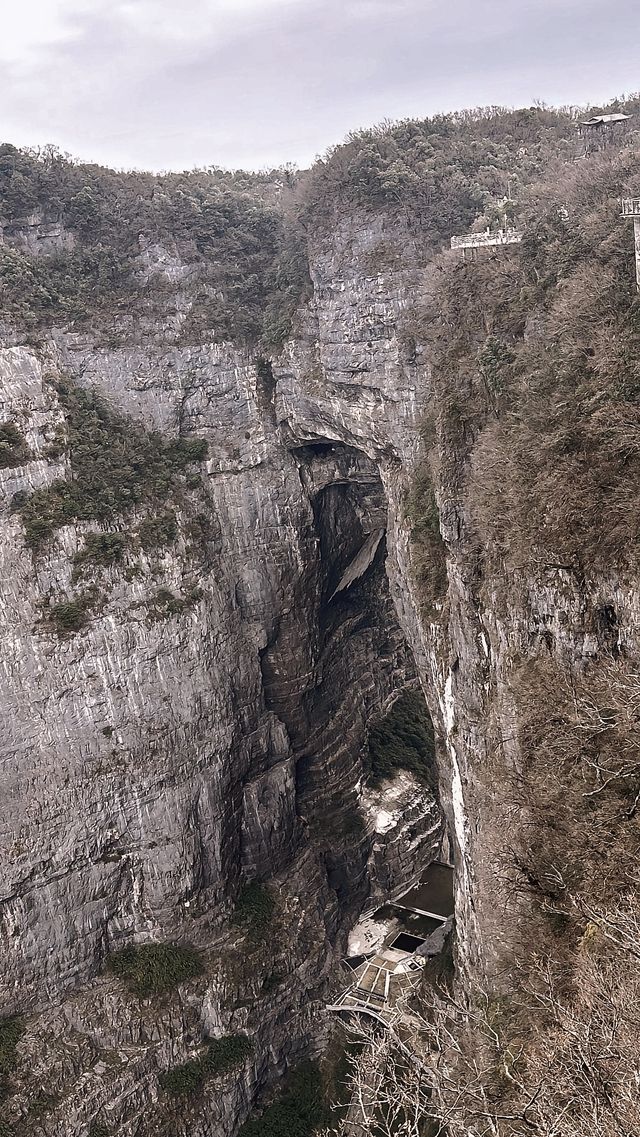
(217, 745)
(266, 469)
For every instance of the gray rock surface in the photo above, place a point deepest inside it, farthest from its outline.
(149, 765)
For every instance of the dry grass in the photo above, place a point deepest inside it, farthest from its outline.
(537, 368)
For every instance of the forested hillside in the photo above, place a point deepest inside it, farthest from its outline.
(240, 237)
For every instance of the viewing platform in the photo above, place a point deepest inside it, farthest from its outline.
(380, 984)
(630, 206)
(390, 947)
(496, 238)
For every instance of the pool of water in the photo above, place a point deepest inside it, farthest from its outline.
(434, 893)
(405, 942)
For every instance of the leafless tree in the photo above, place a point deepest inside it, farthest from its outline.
(563, 1062)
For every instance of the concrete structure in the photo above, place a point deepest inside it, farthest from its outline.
(601, 131)
(390, 947)
(380, 986)
(631, 209)
(497, 238)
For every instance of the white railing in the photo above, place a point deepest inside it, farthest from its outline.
(482, 240)
(630, 206)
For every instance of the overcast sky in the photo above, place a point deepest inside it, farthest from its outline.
(169, 84)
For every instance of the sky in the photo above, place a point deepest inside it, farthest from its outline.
(172, 84)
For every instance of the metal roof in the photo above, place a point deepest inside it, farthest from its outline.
(605, 118)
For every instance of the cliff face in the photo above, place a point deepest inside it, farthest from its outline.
(158, 757)
(206, 727)
(431, 483)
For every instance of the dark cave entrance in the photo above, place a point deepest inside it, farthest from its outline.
(364, 662)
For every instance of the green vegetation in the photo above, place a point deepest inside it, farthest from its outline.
(440, 172)
(229, 224)
(272, 981)
(71, 616)
(153, 969)
(255, 909)
(11, 1031)
(14, 450)
(443, 174)
(221, 1056)
(403, 740)
(99, 1129)
(113, 469)
(102, 549)
(165, 604)
(39, 291)
(42, 1103)
(157, 532)
(245, 234)
(299, 1112)
(289, 285)
(429, 560)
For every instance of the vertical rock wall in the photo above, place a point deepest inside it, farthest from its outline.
(150, 764)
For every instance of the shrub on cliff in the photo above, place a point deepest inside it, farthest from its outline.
(159, 531)
(154, 969)
(14, 450)
(114, 467)
(11, 1031)
(71, 286)
(99, 1129)
(164, 604)
(71, 616)
(403, 740)
(428, 552)
(221, 1056)
(255, 908)
(299, 1112)
(104, 549)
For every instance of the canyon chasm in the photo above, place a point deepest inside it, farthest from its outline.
(150, 765)
(189, 717)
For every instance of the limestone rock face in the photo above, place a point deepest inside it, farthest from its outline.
(38, 235)
(150, 765)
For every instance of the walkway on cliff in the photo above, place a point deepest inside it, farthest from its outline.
(391, 945)
(379, 986)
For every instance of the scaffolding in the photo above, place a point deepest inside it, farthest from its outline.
(631, 211)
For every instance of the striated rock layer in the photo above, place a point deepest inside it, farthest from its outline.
(151, 764)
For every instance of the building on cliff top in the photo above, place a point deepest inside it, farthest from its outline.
(601, 131)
